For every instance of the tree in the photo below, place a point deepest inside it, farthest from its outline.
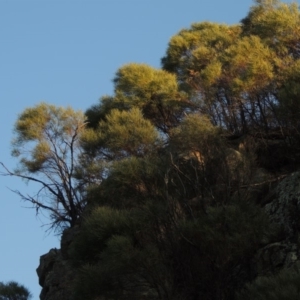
(14, 291)
(47, 145)
(155, 92)
(121, 134)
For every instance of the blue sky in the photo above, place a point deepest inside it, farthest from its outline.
(66, 52)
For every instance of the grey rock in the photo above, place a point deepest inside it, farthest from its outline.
(47, 262)
(55, 271)
(284, 210)
(285, 207)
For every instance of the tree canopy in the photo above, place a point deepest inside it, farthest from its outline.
(14, 291)
(46, 143)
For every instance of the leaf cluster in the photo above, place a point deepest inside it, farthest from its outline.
(14, 291)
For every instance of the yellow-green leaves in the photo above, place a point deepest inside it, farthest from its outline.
(45, 131)
(47, 145)
(39, 122)
(31, 123)
(122, 133)
(191, 51)
(230, 72)
(196, 137)
(154, 91)
(248, 65)
(128, 131)
(40, 154)
(211, 74)
(141, 83)
(278, 25)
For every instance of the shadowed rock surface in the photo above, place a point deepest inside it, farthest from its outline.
(55, 271)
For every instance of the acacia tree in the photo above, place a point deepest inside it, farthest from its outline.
(14, 291)
(47, 145)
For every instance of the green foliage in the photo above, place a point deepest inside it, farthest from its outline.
(197, 48)
(47, 145)
(288, 93)
(196, 133)
(103, 223)
(121, 135)
(249, 64)
(118, 258)
(138, 82)
(14, 291)
(121, 131)
(48, 131)
(124, 133)
(224, 233)
(284, 285)
(173, 217)
(233, 72)
(155, 252)
(155, 92)
(132, 181)
(277, 23)
(212, 244)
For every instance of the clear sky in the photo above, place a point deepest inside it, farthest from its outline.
(66, 52)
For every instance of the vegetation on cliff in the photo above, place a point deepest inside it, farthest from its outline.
(166, 177)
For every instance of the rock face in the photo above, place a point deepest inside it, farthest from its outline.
(55, 271)
(54, 276)
(284, 210)
(285, 207)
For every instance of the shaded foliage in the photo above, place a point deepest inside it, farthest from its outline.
(14, 291)
(284, 285)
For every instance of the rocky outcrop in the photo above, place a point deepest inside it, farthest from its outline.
(54, 276)
(285, 207)
(284, 211)
(55, 272)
